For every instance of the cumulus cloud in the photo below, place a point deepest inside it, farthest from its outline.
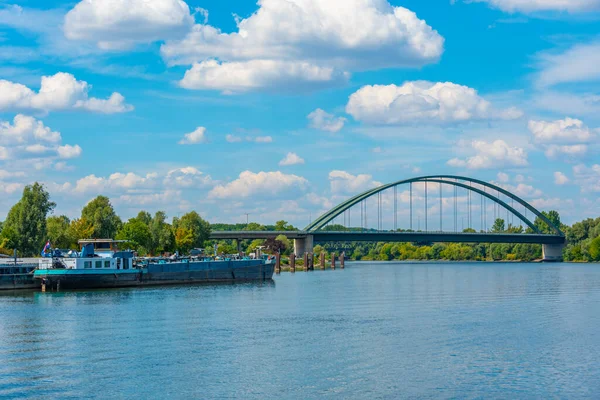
(291, 159)
(68, 151)
(530, 6)
(121, 24)
(195, 137)
(344, 182)
(491, 155)
(58, 92)
(267, 75)
(502, 177)
(560, 178)
(118, 180)
(566, 130)
(577, 64)
(568, 103)
(422, 102)
(261, 184)
(324, 121)
(575, 150)
(331, 37)
(187, 177)
(25, 129)
(588, 178)
(521, 190)
(27, 135)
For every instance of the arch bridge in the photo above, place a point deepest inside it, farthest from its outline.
(435, 205)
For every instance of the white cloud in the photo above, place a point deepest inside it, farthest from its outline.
(68, 151)
(25, 129)
(324, 121)
(577, 64)
(530, 6)
(560, 178)
(255, 139)
(588, 178)
(551, 204)
(491, 155)
(4, 174)
(37, 148)
(57, 92)
(502, 177)
(422, 102)
(587, 104)
(566, 130)
(265, 184)
(10, 188)
(291, 159)
(521, 190)
(233, 139)
(115, 182)
(367, 34)
(344, 182)
(576, 150)
(188, 177)
(195, 137)
(269, 75)
(121, 24)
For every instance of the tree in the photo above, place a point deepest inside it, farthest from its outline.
(101, 215)
(57, 228)
(594, 249)
(25, 225)
(192, 230)
(145, 217)
(498, 226)
(137, 235)
(163, 237)
(276, 245)
(79, 229)
(283, 226)
(543, 227)
(253, 226)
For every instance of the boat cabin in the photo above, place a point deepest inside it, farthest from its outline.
(95, 254)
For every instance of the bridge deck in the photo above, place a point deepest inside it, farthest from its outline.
(433, 237)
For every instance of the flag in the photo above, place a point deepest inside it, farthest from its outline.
(46, 247)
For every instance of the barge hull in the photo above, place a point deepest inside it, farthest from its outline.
(157, 274)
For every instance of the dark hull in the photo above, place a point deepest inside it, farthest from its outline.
(159, 274)
(18, 282)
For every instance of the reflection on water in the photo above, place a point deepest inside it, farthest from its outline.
(373, 330)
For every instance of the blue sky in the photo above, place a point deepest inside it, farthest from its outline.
(282, 109)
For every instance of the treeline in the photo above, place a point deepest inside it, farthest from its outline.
(29, 224)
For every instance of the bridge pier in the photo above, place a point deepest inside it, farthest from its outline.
(552, 252)
(303, 245)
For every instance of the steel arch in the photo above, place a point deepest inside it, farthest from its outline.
(323, 220)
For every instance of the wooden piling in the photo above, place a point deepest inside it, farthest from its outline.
(322, 260)
(43, 285)
(305, 259)
(292, 262)
(342, 259)
(278, 263)
(332, 260)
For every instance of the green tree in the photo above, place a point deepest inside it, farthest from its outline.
(57, 228)
(101, 215)
(253, 226)
(594, 249)
(25, 225)
(79, 229)
(163, 236)
(191, 230)
(145, 217)
(284, 226)
(137, 234)
(498, 226)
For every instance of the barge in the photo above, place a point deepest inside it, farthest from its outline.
(18, 276)
(101, 265)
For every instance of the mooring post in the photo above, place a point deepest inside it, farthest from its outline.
(305, 259)
(332, 260)
(322, 260)
(342, 257)
(312, 261)
(43, 284)
(15, 255)
(58, 285)
(278, 263)
(293, 262)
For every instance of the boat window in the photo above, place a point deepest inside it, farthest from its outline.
(87, 264)
(98, 264)
(106, 264)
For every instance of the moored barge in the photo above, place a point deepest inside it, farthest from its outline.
(102, 265)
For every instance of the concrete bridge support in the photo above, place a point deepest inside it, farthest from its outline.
(552, 252)
(303, 245)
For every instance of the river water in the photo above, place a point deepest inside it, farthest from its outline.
(373, 330)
